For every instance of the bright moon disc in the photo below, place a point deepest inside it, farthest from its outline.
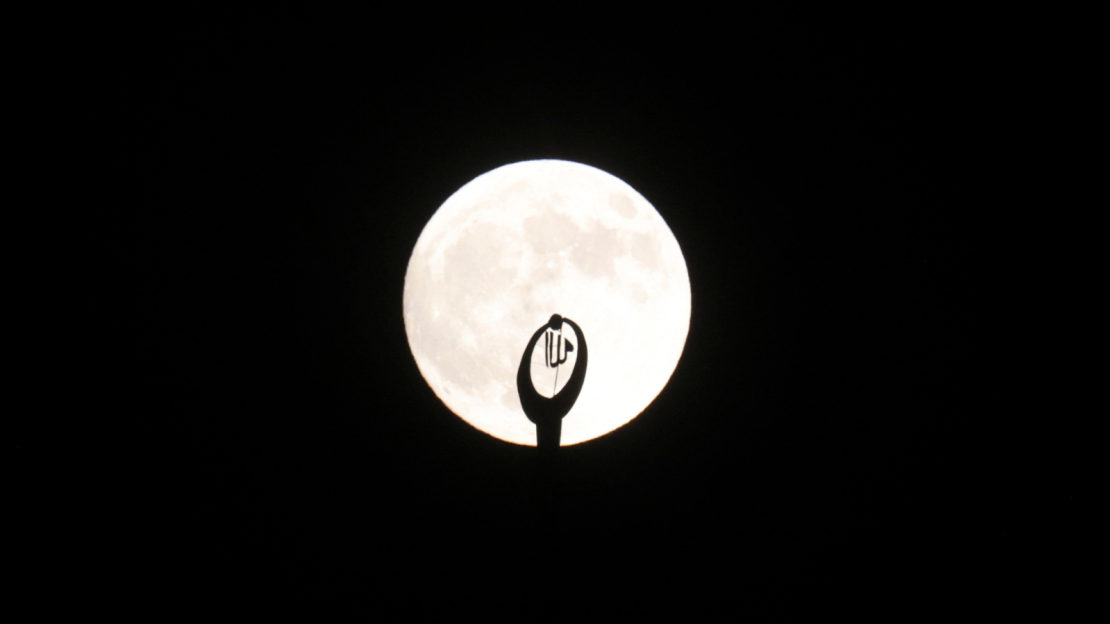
(528, 240)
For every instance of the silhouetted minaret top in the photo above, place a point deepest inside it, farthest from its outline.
(548, 412)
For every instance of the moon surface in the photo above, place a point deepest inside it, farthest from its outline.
(528, 240)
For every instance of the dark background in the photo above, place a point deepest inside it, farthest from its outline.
(802, 168)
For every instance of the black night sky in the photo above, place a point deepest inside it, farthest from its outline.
(809, 422)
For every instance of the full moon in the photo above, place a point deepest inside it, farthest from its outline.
(523, 242)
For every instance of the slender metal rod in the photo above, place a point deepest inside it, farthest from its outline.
(556, 384)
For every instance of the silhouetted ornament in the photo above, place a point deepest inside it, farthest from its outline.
(548, 412)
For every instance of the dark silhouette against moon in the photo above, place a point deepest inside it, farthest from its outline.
(548, 412)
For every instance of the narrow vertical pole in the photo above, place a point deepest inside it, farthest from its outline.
(548, 434)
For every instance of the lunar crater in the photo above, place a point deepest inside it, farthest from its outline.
(623, 205)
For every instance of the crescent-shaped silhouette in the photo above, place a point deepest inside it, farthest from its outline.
(548, 412)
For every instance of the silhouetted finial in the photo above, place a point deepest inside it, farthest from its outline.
(548, 412)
